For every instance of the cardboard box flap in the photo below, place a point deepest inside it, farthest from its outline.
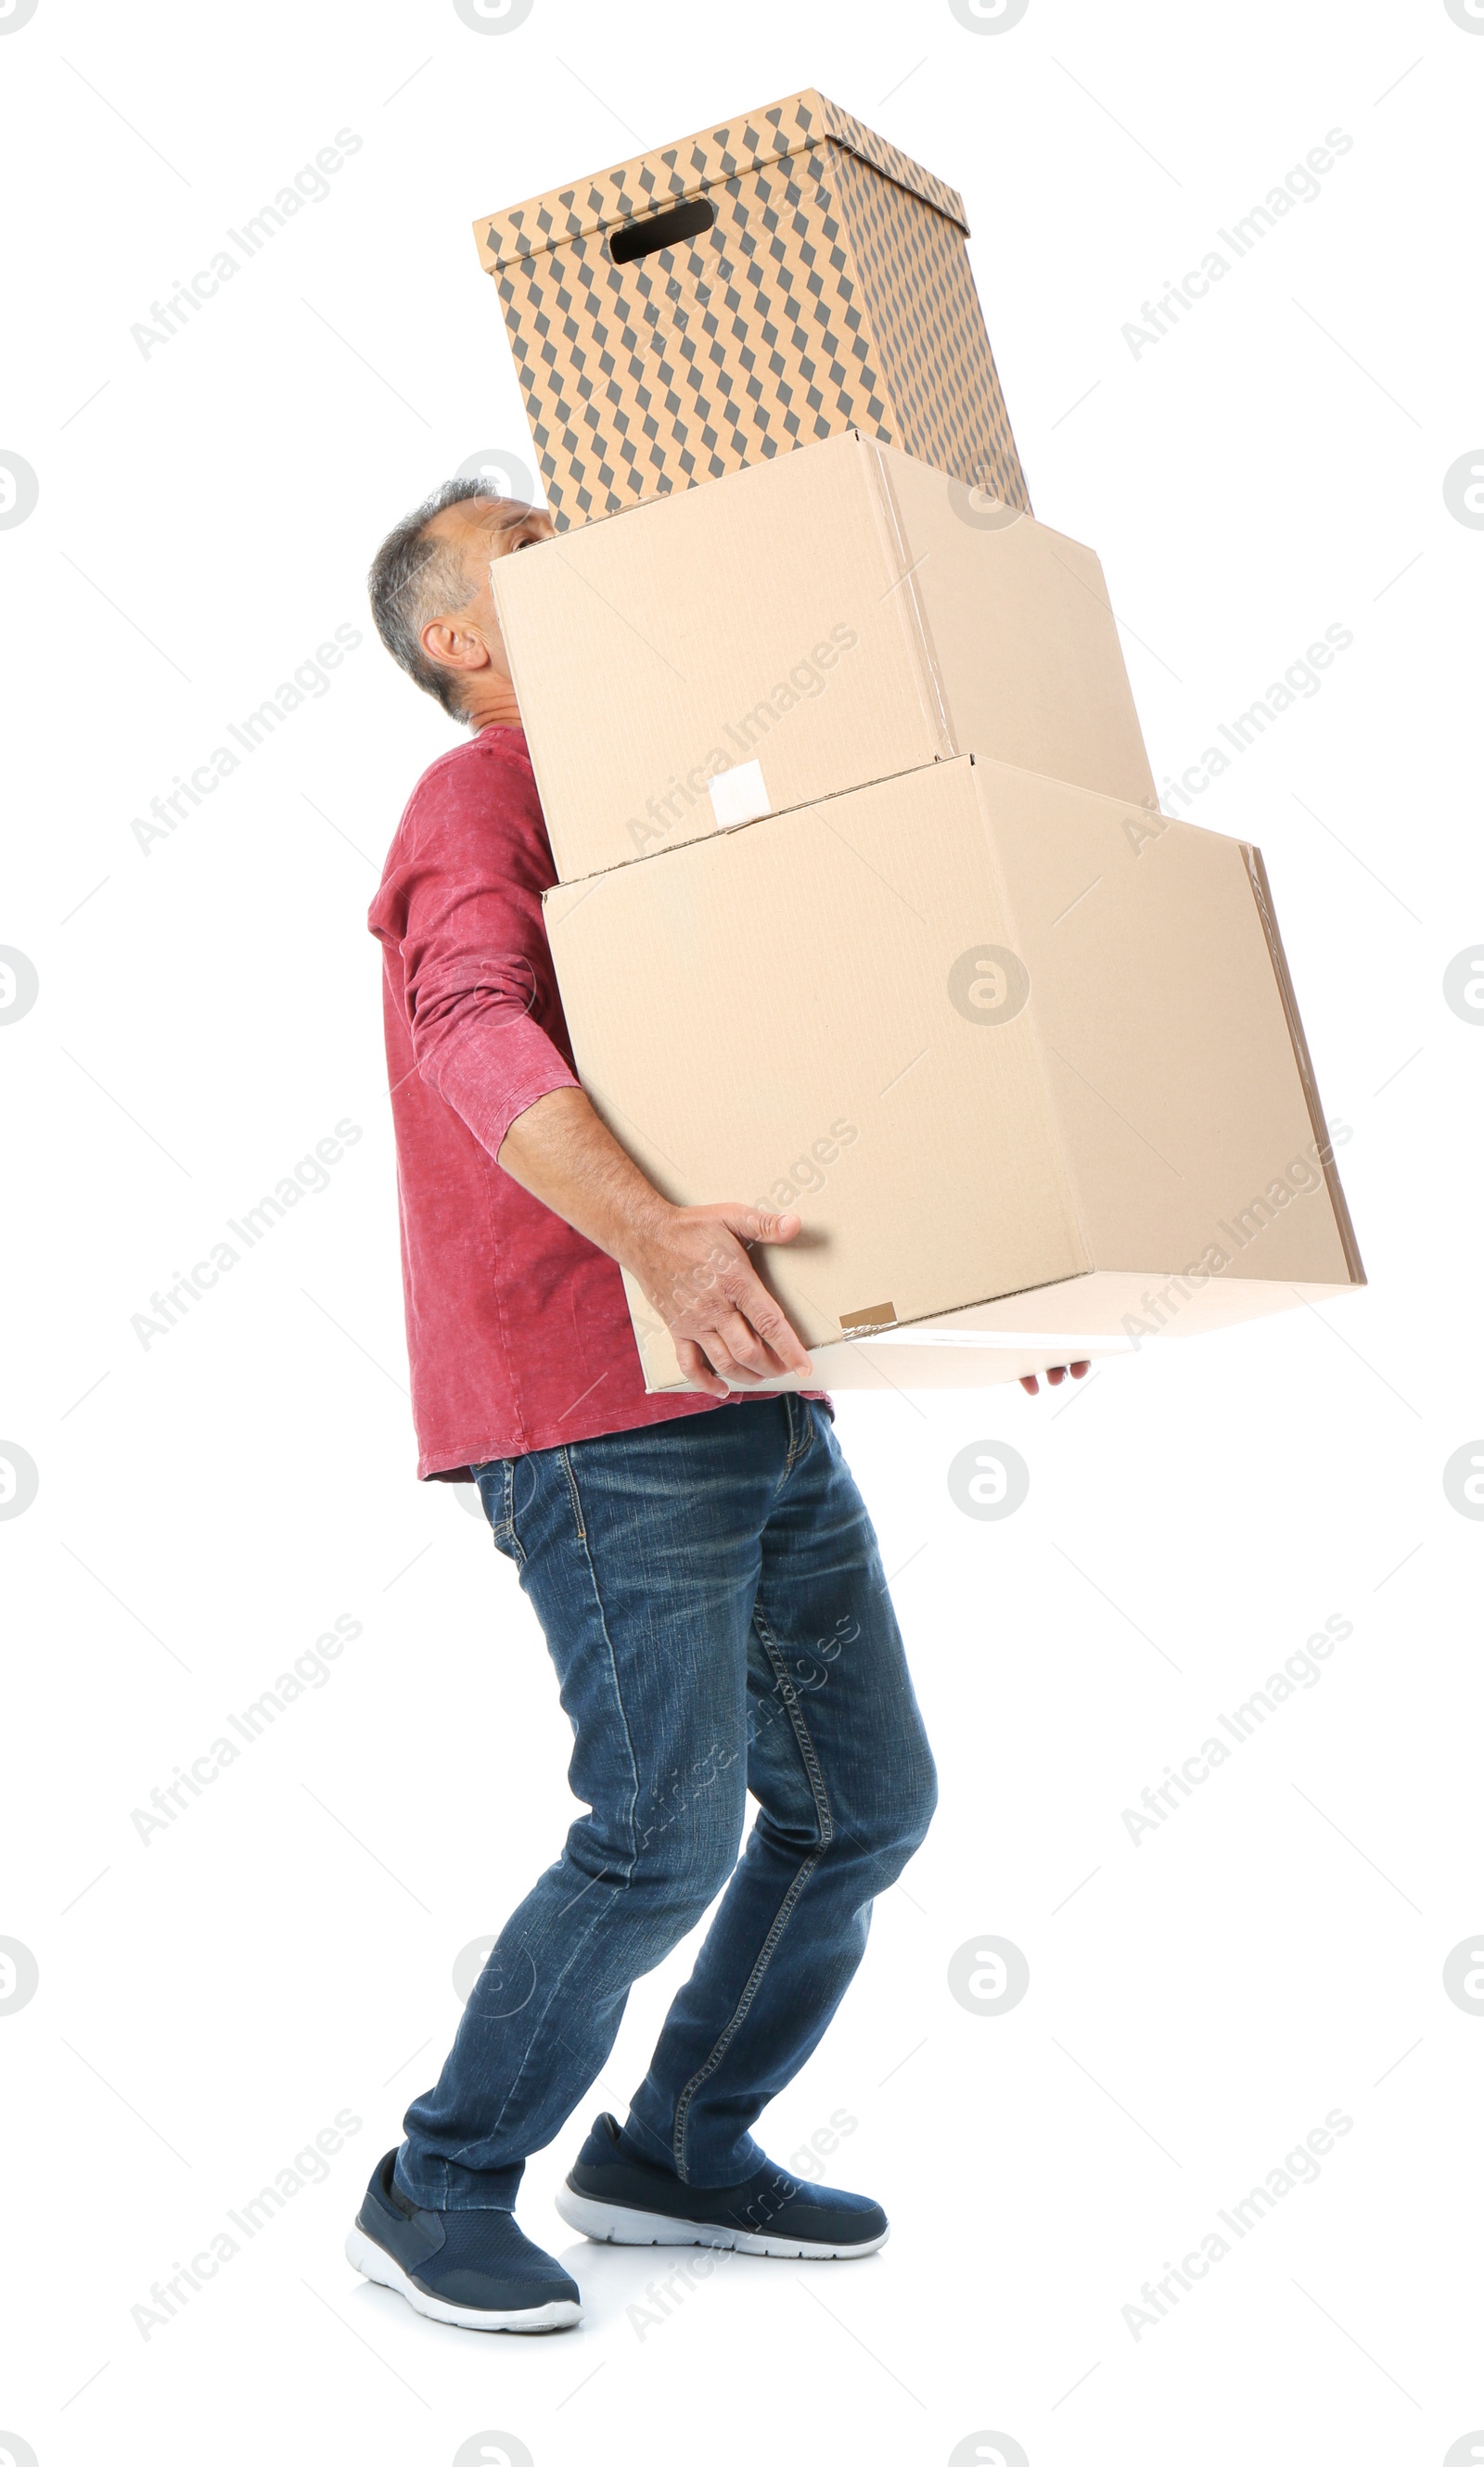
(652, 182)
(890, 160)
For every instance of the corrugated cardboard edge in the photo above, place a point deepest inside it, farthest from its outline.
(1262, 894)
(652, 182)
(1015, 941)
(585, 882)
(928, 676)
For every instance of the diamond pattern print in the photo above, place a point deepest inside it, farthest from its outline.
(833, 291)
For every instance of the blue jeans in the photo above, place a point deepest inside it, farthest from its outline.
(714, 1602)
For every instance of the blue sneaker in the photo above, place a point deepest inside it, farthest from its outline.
(474, 2268)
(616, 2197)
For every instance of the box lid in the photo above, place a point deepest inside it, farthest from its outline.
(694, 164)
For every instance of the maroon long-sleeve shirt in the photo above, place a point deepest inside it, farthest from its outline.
(517, 1330)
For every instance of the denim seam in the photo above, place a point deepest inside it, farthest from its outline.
(790, 1699)
(786, 1908)
(800, 1439)
(565, 1455)
(510, 1514)
(600, 1913)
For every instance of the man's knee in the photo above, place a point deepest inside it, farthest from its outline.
(906, 1811)
(680, 1868)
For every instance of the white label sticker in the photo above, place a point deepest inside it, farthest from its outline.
(738, 796)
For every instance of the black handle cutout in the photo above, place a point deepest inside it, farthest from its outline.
(661, 230)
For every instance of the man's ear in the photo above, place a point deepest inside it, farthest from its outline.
(454, 647)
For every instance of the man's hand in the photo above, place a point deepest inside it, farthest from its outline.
(692, 1262)
(1054, 1378)
(695, 1273)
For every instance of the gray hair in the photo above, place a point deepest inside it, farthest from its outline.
(414, 578)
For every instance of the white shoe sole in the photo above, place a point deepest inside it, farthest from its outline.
(373, 2263)
(607, 2223)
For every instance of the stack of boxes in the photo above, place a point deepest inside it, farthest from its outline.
(865, 903)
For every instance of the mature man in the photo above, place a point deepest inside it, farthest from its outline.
(702, 1565)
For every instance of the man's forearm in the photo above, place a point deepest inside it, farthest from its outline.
(691, 1264)
(560, 1151)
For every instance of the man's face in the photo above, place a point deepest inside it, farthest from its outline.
(481, 528)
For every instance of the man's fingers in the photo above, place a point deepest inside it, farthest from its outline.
(729, 1350)
(1056, 1376)
(758, 1225)
(752, 1298)
(730, 1334)
(696, 1369)
(712, 1347)
(783, 1343)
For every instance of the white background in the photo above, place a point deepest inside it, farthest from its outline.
(208, 1011)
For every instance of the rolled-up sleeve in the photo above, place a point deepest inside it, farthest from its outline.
(464, 912)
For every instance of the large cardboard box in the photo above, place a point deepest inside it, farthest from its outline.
(1026, 1058)
(800, 628)
(744, 291)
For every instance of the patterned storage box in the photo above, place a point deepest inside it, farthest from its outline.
(744, 291)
